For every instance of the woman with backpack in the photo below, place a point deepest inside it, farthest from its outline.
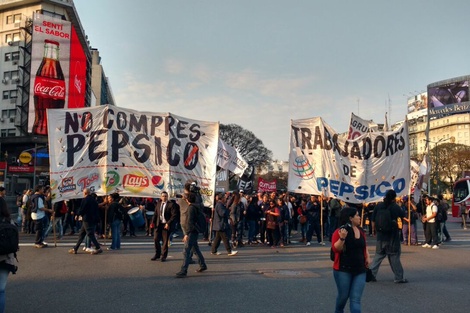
(7, 261)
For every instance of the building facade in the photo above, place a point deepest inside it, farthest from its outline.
(32, 33)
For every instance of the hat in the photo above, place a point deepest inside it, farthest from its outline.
(242, 191)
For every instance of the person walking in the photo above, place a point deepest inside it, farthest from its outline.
(7, 261)
(220, 226)
(351, 258)
(115, 215)
(164, 222)
(38, 214)
(429, 219)
(384, 221)
(188, 225)
(90, 217)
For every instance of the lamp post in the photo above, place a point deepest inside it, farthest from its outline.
(436, 143)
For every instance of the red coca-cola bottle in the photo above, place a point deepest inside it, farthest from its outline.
(49, 86)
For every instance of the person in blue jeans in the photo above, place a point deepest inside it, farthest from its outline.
(351, 259)
(115, 215)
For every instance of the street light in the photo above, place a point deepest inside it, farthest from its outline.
(436, 143)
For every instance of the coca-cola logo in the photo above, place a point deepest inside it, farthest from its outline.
(57, 92)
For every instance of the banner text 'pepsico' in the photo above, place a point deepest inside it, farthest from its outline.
(110, 149)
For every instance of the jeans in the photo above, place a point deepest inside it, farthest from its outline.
(350, 286)
(3, 283)
(116, 234)
(333, 225)
(57, 223)
(191, 246)
(405, 231)
(251, 230)
(443, 232)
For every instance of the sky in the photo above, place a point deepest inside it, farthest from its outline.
(262, 63)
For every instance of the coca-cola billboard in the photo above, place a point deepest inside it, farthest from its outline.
(58, 70)
(78, 67)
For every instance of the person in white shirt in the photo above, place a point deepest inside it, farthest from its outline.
(431, 226)
(38, 215)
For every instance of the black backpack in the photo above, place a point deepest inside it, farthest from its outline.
(383, 219)
(201, 223)
(9, 238)
(442, 212)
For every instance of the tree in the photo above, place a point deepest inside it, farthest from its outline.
(250, 147)
(448, 161)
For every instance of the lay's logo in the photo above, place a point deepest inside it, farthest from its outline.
(135, 182)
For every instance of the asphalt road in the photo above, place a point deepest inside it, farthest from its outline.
(296, 279)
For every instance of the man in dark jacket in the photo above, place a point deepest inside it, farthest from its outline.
(188, 225)
(90, 215)
(388, 242)
(219, 225)
(164, 222)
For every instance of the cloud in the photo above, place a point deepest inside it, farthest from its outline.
(174, 66)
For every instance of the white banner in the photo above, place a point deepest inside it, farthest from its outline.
(355, 171)
(359, 126)
(230, 159)
(140, 154)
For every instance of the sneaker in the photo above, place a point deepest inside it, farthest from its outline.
(435, 247)
(426, 246)
(73, 251)
(44, 243)
(39, 246)
(110, 249)
(98, 251)
(216, 253)
(89, 250)
(321, 243)
(202, 269)
(401, 281)
(181, 274)
(233, 253)
(175, 235)
(308, 243)
(448, 239)
(85, 248)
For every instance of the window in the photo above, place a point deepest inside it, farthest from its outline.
(13, 94)
(16, 18)
(15, 56)
(3, 133)
(7, 76)
(6, 94)
(15, 75)
(11, 132)
(12, 37)
(7, 57)
(12, 113)
(16, 36)
(4, 113)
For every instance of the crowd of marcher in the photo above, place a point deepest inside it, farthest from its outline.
(263, 218)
